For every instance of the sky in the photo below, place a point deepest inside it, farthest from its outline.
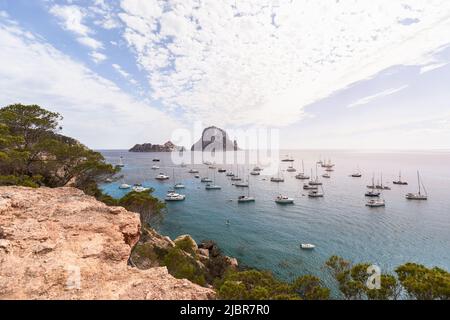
(343, 74)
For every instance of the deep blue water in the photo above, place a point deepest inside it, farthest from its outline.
(267, 236)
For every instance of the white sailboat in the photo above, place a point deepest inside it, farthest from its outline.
(315, 182)
(316, 193)
(277, 178)
(213, 186)
(301, 175)
(281, 199)
(372, 192)
(376, 203)
(357, 174)
(121, 165)
(400, 181)
(419, 195)
(177, 185)
(381, 186)
(246, 198)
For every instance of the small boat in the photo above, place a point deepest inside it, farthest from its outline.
(315, 182)
(372, 193)
(197, 176)
(284, 200)
(326, 175)
(315, 194)
(162, 177)
(309, 187)
(124, 186)
(241, 184)
(307, 246)
(179, 186)
(257, 168)
(400, 181)
(230, 174)
(121, 165)
(356, 174)
(222, 170)
(419, 195)
(156, 160)
(193, 171)
(328, 164)
(208, 163)
(173, 196)
(277, 179)
(375, 203)
(155, 167)
(212, 167)
(206, 179)
(140, 189)
(243, 199)
(235, 178)
(287, 159)
(291, 169)
(212, 187)
(255, 173)
(302, 175)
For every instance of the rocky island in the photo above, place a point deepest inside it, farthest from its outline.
(214, 139)
(148, 147)
(62, 244)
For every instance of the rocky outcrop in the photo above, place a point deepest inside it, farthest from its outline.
(214, 139)
(62, 244)
(148, 147)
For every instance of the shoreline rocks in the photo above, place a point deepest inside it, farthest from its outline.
(148, 147)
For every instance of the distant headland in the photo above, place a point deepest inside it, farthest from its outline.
(148, 147)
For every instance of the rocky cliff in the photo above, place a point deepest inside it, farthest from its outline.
(62, 244)
(148, 147)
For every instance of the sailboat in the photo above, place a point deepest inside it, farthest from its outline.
(372, 192)
(287, 159)
(277, 178)
(316, 193)
(400, 181)
(247, 198)
(357, 174)
(193, 170)
(213, 186)
(235, 177)
(177, 185)
(315, 182)
(302, 175)
(419, 195)
(281, 199)
(381, 186)
(121, 165)
(291, 168)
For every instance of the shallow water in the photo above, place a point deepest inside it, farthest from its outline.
(267, 236)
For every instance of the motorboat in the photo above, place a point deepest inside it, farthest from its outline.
(291, 169)
(206, 179)
(230, 174)
(235, 178)
(419, 195)
(241, 184)
(315, 194)
(197, 176)
(179, 186)
(243, 199)
(375, 203)
(155, 167)
(222, 170)
(156, 160)
(284, 200)
(372, 193)
(307, 246)
(255, 173)
(193, 171)
(210, 186)
(309, 187)
(257, 169)
(162, 177)
(173, 196)
(140, 189)
(326, 175)
(277, 179)
(124, 186)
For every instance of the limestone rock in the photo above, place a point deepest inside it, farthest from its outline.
(62, 244)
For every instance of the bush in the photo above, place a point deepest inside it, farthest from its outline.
(183, 266)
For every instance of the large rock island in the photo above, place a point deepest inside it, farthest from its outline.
(214, 139)
(62, 244)
(148, 147)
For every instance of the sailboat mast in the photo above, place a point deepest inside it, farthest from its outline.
(303, 167)
(418, 180)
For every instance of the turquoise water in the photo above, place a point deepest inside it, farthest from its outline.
(267, 236)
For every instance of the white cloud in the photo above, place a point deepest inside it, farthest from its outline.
(98, 57)
(120, 70)
(90, 42)
(432, 66)
(373, 97)
(95, 109)
(261, 64)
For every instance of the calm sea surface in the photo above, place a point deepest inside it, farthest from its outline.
(267, 236)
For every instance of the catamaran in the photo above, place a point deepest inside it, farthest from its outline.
(400, 181)
(419, 195)
(302, 175)
(375, 203)
(173, 196)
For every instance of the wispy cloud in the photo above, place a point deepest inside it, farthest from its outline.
(376, 96)
(244, 62)
(432, 66)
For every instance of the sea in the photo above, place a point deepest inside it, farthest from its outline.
(266, 235)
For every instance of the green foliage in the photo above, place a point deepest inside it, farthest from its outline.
(24, 181)
(183, 266)
(187, 245)
(423, 283)
(143, 203)
(30, 146)
(310, 288)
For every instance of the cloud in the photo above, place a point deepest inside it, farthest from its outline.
(246, 63)
(95, 109)
(432, 66)
(120, 70)
(98, 57)
(373, 97)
